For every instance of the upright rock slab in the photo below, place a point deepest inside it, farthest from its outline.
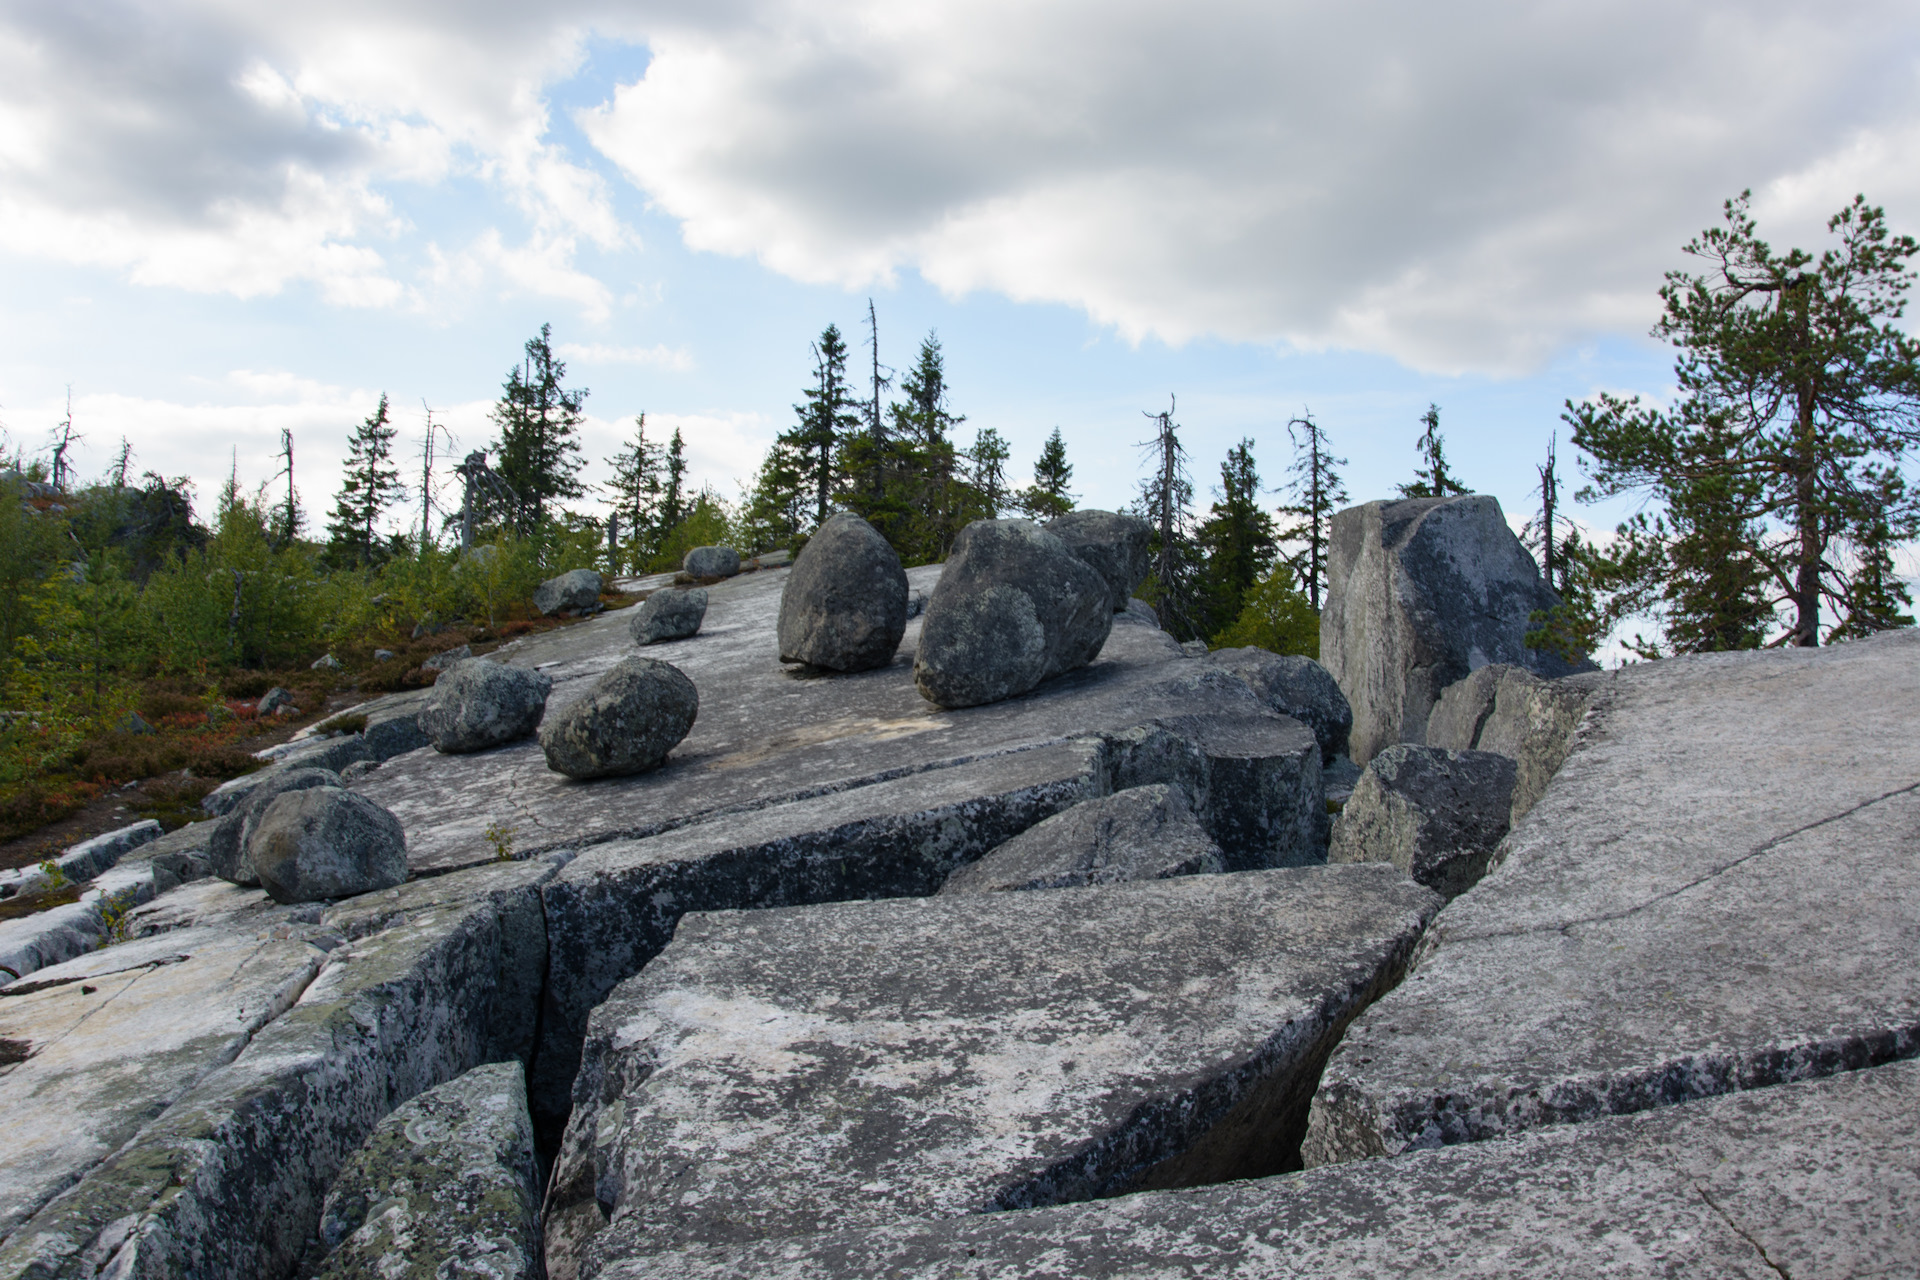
(1114, 545)
(844, 606)
(823, 1068)
(1142, 833)
(1420, 593)
(1715, 894)
(1436, 815)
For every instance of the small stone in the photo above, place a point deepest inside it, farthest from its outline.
(711, 562)
(227, 846)
(669, 614)
(1297, 686)
(1142, 612)
(383, 655)
(1142, 833)
(324, 844)
(274, 699)
(326, 662)
(574, 589)
(447, 657)
(478, 703)
(1114, 545)
(1436, 815)
(844, 603)
(358, 769)
(627, 723)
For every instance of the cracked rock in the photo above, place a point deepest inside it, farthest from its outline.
(1436, 815)
(1142, 833)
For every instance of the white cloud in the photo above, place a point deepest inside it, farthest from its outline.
(658, 356)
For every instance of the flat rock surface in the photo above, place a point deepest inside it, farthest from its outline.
(838, 1066)
(1811, 1181)
(1717, 892)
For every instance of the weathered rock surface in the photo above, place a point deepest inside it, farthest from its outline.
(669, 615)
(1420, 593)
(478, 704)
(447, 658)
(1297, 686)
(574, 589)
(227, 845)
(627, 723)
(1142, 833)
(324, 843)
(1436, 815)
(1533, 722)
(1463, 707)
(820, 1068)
(1807, 1180)
(1114, 545)
(445, 1187)
(1708, 898)
(1014, 607)
(82, 861)
(711, 562)
(844, 605)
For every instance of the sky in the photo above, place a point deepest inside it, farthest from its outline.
(222, 218)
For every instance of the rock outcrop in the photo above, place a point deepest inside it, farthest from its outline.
(1436, 815)
(1014, 607)
(1297, 686)
(844, 606)
(669, 614)
(1114, 545)
(710, 562)
(478, 704)
(1515, 713)
(1142, 833)
(575, 589)
(627, 723)
(228, 853)
(323, 844)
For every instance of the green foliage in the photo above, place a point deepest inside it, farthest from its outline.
(1276, 617)
(1235, 540)
(1432, 480)
(707, 523)
(1047, 497)
(826, 421)
(1166, 503)
(537, 417)
(369, 485)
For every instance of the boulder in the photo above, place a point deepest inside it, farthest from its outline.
(446, 1185)
(626, 723)
(325, 843)
(1013, 608)
(1420, 593)
(327, 662)
(1142, 612)
(1510, 710)
(383, 655)
(1114, 545)
(227, 846)
(1143, 833)
(574, 589)
(274, 699)
(669, 614)
(478, 703)
(447, 657)
(844, 603)
(1437, 815)
(1297, 686)
(711, 562)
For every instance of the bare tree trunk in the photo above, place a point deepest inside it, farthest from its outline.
(1806, 586)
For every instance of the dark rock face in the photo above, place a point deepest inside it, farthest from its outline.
(1013, 608)
(844, 605)
(326, 843)
(1420, 593)
(1297, 686)
(1436, 815)
(574, 589)
(1113, 544)
(227, 846)
(711, 562)
(626, 723)
(669, 614)
(444, 1187)
(1142, 833)
(478, 703)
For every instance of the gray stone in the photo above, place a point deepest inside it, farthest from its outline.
(383, 655)
(326, 662)
(393, 725)
(1420, 593)
(479, 704)
(1807, 1180)
(445, 1187)
(627, 723)
(821, 1068)
(274, 699)
(1297, 686)
(446, 658)
(575, 589)
(1194, 648)
(711, 562)
(844, 605)
(1706, 899)
(1455, 721)
(357, 770)
(227, 844)
(1142, 833)
(1509, 710)
(1114, 545)
(916, 603)
(1436, 815)
(669, 615)
(325, 843)
(1142, 612)
(1013, 608)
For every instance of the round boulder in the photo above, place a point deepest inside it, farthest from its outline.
(711, 562)
(326, 843)
(476, 704)
(626, 723)
(227, 846)
(1113, 544)
(844, 605)
(574, 589)
(669, 614)
(1013, 607)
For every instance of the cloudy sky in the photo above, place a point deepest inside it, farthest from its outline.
(222, 218)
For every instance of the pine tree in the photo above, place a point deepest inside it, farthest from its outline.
(826, 421)
(929, 484)
(538, 417)
(636, 487)
(369, 484)
(1435, 481)
(1166, 502)
(1236, 540)
(776, 506)
(673, 493)
(1047, 497)
(987, 472)
(1316, 492)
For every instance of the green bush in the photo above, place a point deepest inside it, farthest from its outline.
(1276, 617)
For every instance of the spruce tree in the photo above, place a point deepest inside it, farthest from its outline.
(538, 417)
(1315, 492)
(987, 472)
(1166, 502)
(1236, 540)
(369, 484)
(1433, 480)
(1047, 497)
(636, 488)
(930, 485)
(825, 422)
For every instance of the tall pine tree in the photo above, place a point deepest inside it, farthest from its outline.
(826, 422)
(1166, 503)
(1236, 540)
(1047, 497)
(369, 484)
(1314, 493)
(538, 417)
(1432, 480)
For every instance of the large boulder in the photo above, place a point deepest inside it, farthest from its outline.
(1014, 607)
(1142, 833)
(1114, 545)
(1511, 711)
(574, 589)
(844, 604)
(1420, 593)
(1436, 815)
(669, 614)
(326, 843)
(711, 562)
(478, 703)
(1297, 686)
(626, 723)
(227, 846)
